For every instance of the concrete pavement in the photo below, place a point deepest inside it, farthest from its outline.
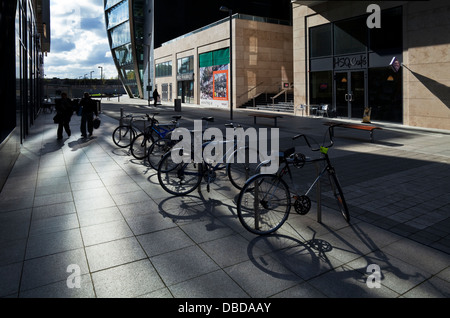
(82, 218)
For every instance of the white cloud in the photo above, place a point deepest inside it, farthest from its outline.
(79, 42)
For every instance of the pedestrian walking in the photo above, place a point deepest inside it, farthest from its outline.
(64, 111)
(88, 110)
(155, 96)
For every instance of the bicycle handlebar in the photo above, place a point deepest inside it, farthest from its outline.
(309, 144)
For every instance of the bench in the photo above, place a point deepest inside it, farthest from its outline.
(274, 117)
(369, 128)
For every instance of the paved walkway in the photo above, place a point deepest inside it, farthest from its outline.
(87, 207)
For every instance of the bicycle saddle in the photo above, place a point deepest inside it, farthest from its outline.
(209, 119)
(177, 117)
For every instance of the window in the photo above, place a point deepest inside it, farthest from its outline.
(120, 35)
(124, 55)
(321, 88)
(350, 36)
(185, 65)
(385, 94)
(163, 69)
(320, 41)
(117, 15)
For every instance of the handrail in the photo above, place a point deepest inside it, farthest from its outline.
(255, 87)
(284, 91)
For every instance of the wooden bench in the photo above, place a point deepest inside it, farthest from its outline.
(369, 128)
(274, 117)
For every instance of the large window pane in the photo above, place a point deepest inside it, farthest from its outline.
(124, 55)
(321, 88)
(118, 15)
(120, 35)
(111, 3)
(385, 94)
(320, 41)
(185, 65)
(350, 36)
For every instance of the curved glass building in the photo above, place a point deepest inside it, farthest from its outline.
(129, 25)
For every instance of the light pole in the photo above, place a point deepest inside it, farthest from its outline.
(101, 81)
(148, 74)
(230, 12)
(101, 73)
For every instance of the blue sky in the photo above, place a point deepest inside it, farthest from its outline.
(79, 44)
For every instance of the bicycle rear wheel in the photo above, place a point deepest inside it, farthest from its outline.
(140, 145)
(179, 178)
(123, 136)
(339, 195)
(264, 204)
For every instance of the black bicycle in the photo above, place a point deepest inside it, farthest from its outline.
(265, 201)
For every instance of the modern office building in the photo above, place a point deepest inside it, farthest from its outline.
(196, 67)
(129, 25)
(343, 59)
(24, 40)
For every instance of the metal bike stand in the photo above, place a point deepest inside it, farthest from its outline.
(319, 196)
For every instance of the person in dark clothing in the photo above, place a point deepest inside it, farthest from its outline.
(155, 96)
(89, 108)
(64, 109)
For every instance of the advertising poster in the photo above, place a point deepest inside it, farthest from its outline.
(214, 86)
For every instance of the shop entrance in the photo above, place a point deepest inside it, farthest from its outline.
(350, 93)
(186, 91)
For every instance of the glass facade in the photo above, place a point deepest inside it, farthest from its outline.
(21, 91)
(131, 49)
(349, 67)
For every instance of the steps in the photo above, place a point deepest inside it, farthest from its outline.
(264, 104)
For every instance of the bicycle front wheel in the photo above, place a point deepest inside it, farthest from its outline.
(241, 170)
(179, 178)
(339, 196)
(157, 150)
(123, 136)
(140, 145)
(264, 204)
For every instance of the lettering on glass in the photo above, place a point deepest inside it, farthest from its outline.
(350, 62)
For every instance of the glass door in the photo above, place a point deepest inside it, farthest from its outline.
(350, 93)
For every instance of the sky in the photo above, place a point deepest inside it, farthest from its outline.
(79, 43)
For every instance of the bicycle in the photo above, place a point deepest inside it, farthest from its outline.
(142, 142)
(164, 144)
(264, 203)
(183, 178)
(125, 133)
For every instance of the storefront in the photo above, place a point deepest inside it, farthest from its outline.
(349, 67)
(342, 60)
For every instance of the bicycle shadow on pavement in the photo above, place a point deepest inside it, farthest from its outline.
(334, 263)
